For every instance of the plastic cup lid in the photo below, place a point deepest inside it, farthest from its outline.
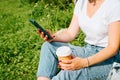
(63, 51)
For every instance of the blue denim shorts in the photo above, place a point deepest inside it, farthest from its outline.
(48, 64)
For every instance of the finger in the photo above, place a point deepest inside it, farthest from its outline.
(66, 61)
(64, 65)
(45, 38)
(42, 34)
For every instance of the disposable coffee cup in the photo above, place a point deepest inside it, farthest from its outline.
(64, 53)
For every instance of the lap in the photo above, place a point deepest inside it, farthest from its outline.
(91, 73)
(100, 70)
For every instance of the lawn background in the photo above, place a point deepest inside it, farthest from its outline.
(19, 42)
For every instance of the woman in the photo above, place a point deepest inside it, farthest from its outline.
(100, 21)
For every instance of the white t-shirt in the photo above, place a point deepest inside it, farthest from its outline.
(96, 27)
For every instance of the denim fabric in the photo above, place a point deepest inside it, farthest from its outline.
(115, 72)
(49, 62)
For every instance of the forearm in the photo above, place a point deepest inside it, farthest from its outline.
(103, 55)
(70, 33)
(63, 36)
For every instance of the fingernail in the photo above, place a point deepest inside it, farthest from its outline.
(58, 64)
(60, 61)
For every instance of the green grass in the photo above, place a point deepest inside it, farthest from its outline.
(19, 42)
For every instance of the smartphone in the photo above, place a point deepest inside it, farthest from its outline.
(40, 28)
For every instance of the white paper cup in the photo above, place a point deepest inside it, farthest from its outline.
(64, 53)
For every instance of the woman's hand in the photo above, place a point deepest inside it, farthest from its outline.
(45, 37)
(73, 64)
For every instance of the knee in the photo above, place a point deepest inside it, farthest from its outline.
(47, 46)
(51, 46)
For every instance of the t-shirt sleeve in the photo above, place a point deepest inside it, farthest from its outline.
(115, 14)
(77, 7)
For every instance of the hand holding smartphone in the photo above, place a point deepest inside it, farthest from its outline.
(40, 28)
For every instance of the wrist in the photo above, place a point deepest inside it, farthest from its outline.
(86, 62)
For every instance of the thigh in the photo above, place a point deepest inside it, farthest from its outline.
(85, 51)
(99, 71)
(91, 73)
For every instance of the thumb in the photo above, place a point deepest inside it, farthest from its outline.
(48, 31)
